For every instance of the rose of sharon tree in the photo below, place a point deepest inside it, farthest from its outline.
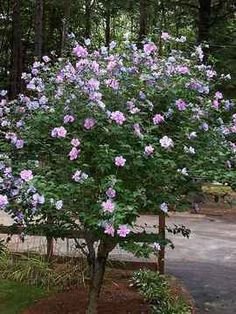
(100, 136)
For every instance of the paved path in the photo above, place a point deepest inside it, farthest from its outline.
(206, 263)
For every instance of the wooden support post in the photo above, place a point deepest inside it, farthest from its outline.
(49, 241)
(161, 255)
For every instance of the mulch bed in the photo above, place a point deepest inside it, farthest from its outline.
(117, 297)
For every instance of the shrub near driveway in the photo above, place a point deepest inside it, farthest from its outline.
(102, 134)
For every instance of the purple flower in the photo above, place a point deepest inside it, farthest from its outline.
(215, 104)
(149, 48)
(19, 144)
(123, 231)
(59, 132)
(148, 150)
(120, 161)
(69, 119)
(181, 105)
(114, 84)
(109, 229)
(164, 207)
(59, 204)
(182, 69)
(26, 175)
(74, 153)
(80, 51)
(218, 95)
(111, 193)
(3, 201)
(93, 84)
(89, 123)
(158, 118)
(75, 142)
(118, 117)
(166, 142)
(108, 206)
(79, 176)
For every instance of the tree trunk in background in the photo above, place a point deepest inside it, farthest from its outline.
(108, 23)
(87, 19)
(38, 28)
(142, 22)
(65, 23)
(204, 20)
(16, 62)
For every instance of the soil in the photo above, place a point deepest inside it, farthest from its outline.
(116, 297)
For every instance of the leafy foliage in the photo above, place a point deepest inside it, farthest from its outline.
(156, 290)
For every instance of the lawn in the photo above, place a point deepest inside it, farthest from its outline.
(15, 297)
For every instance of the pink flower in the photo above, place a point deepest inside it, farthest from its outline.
(3, 201)
(118, 117)
(218, 95)
(123, 231)
(182, 69)
(59, 132)
(73, 154)
(26, 175)
(69, 119)
(120, 161)
(75, 142)
(46, 59)
(109, 229)
(108, 206)
(148, 150)
(93, 84)
(111, 193)
(149, 48)
(165, 36)
(166, 142)
(158, 118)
(89, 123)
(215, 104)
(79, 176)
(114, 84)
(181, 105)
(80, 51)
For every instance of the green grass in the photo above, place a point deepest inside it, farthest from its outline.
(15, 297)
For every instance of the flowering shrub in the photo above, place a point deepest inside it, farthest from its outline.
(101, 136)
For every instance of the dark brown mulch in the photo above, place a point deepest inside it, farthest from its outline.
(116, 298)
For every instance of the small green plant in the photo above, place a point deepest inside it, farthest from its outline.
(156, 290)
(35, 271)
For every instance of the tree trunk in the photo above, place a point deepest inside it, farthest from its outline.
(108, 23)
(87, 19)
(97, 270)
(142, 22)
(97, 275)
(38, 28)
(16, 62)
(204, 20)
(65, 23)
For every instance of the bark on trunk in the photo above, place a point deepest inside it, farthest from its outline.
(65, 23)
(16, 62)
(142, 22)
(97, 275)
(108, 23)
(87, 19)
(97, 263)
(38, 28)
